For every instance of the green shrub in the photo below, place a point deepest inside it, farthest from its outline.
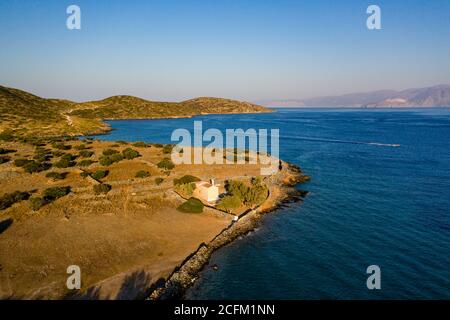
(9, 199)
(61, 146)
(81, 147)
(84, 174)
(41, 157)
(4, 159)
(185, 179)
(167, 148)
(193, 205)
(116, 157)
(68, 157)
(250, 196)
(140, 144)
(142, 174)
(64, 163)
(158, 145)
(108, 152)
(35, 141)
(99, 174)
(5, 151)
(159, 180)
(186, 189)
(53, 193)
(129, 154)
(105, 161)
(57, 175)
(85, 163)
(86, 153)
(35, 166)
(36, 203)
(102, 188)
(108, 160)
(6, 136)
(166, 163)
(236, 188)
(229, 203)
(21, 162)
(57, 153)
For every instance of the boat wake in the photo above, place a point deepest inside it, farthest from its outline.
(392, 145)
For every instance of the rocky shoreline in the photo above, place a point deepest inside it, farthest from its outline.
(187, 273)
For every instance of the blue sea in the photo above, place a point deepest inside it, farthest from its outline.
(370, 203)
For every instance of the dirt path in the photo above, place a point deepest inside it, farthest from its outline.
(68, 118)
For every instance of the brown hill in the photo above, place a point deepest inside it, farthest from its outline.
(22, 113)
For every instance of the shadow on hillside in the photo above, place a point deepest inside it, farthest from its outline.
(134, 287)
(5, 224)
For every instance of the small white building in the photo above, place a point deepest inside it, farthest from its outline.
(207, 191)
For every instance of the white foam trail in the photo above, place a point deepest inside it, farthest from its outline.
(392, 145)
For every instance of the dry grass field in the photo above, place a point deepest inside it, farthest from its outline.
(124, 240)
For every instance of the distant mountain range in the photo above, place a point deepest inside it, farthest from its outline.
(436, 96)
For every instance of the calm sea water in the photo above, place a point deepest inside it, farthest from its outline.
(368, 204)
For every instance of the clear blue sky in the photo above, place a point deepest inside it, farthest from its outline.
(172, 50)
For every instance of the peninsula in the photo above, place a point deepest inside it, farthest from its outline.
(137, 225)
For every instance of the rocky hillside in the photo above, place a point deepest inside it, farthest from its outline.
(22, 113)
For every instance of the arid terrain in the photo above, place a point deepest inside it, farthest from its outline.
(27, 115)
(125, 238)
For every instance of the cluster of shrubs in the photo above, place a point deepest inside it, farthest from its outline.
(166, 164)
(107, 160)
(239, 194)
(185, 179)
(6, 136)
(84, 174)
(102, 188)
(9, 199)
(193, 205)
(185, 185)
(85, 163)
(159, 180)
(99, 174)
(111, 156)
(109, 152)
(42, 155)
(168, 148)
(65, 161)
(57, 175)
(185, 189)
(142, 174)
(38, 163)
(50, 195)
(129, 154)
(4, 159)
(229, 203)
(140, 144)
(6, 151)
(32, 166)
(81, 147)
(61, 146)
(57, 153)
(86, 153)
